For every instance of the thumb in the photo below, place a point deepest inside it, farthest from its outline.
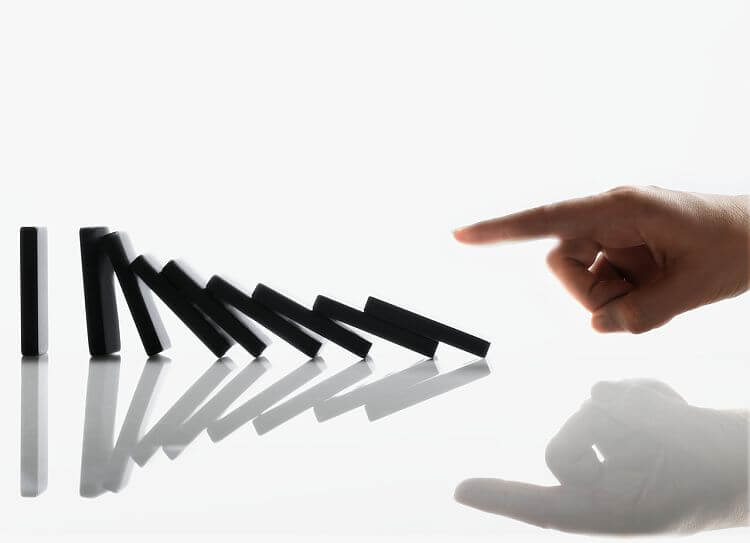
(563, 508)
(647, 307)
(520, 501)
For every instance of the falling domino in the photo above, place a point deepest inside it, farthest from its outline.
(212, 338)
(102, 324)
(141, 304)
(426, 327)
(309, 319)
(358, 319)
(189, 287)
(288, 331)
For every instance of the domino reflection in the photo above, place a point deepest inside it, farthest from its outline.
(214, 408)
(161, 432)
(107, 456)
(398, 399)
(376, 390)
(119, 467)
(99, 423)
(33, 425)
(309, 398)
(230, 423)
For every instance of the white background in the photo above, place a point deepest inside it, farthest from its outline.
(331, 147)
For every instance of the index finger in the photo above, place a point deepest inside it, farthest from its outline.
(576, 218)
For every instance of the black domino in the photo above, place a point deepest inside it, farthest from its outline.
(363, 321)
(34, 336)
(142, 308)
(102, 324)
(289, 332)
(188, 285)
(426, 327)
(211, 337)
(314, 321)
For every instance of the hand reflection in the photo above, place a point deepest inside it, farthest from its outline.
(668, 467)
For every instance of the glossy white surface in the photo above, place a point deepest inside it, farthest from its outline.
(330, 148)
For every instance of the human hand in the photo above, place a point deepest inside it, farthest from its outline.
(637, 256)
(668, 467)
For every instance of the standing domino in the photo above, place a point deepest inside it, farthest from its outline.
(34, 337)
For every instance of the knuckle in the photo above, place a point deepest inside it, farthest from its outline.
(552, 453)
(553, 257)
(627, 194)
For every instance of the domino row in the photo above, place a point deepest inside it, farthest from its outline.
(210, 311)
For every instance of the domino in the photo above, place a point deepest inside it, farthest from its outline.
(358, 319)
(426, 327)
(216, 311)
(34, 335)
(102, 323)
(142, 308)
(309, 319)
(289, 332)
(216, 341)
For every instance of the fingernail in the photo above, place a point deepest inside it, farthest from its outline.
(461, 233)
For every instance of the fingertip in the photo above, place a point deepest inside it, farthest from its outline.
(470, 491)
(521, 501)
(463, 234)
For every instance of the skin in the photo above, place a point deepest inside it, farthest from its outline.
(637, 256)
